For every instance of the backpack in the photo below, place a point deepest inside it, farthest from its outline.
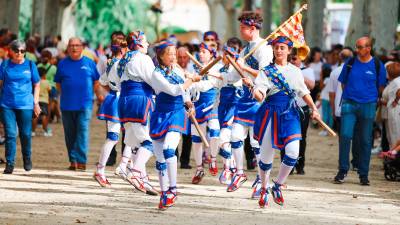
(350, 64)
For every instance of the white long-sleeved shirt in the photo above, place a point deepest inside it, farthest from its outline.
(140, 68)
(263, 55)
(161, 84)
(111, 78)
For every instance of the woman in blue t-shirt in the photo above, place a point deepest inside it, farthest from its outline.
(19, 79)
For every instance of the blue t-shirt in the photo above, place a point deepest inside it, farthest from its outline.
(18, 80)
(76, 79)
(360, 83)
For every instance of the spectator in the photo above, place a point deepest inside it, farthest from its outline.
(308, 75)
(185, 63)
(31, 50)
(76, 78)
(45, 90)
(315, 63)
(361, 86)
(391, 96)
(18, 102)
(50, 71)
(326, 109)
(335, 96)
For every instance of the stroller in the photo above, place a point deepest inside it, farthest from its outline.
(391, 166)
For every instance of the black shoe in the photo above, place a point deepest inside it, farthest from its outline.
(27, 164)
(300, 172)
(9, 169)
(250, 164)
(186, 166)
(364, 181)
(339, 179)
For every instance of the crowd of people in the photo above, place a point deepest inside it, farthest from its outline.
(219, 98)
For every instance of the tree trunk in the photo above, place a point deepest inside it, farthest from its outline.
(359, 22)
(383, 19)
(232, 24)
(267, 16)
(9, 12)
(248, 5)
(47, 16)
(315, 23)
(287, 7)
(213, 7)
(375, 19)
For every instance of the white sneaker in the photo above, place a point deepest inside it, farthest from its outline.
(33, 134)
(376, 150)
(121, 173)
(47, 133)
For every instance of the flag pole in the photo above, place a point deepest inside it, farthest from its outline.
(303, 7)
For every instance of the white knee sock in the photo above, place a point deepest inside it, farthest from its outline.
(292, 151)
(125, 158)
(172, 168)
(238, 155)
(198, 153)
(105, 153)
(142, 156)
(214, 143)
(266, 156)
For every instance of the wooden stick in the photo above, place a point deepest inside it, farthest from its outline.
(326, 127)
(194, 59)
(236, 66)
(304, 7)
(202, 137)
(210, 65)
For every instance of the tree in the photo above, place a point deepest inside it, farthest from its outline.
(372, 18)
(267, 16)
(287, 7)
(315, 23)
(9, 11)
(97, 19)
(47, 16)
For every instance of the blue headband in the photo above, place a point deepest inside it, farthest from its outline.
(232, 51)
(283, 40)
(211, 50)
(137, 40)
(212, 33)
(251, 22)
(162, 45)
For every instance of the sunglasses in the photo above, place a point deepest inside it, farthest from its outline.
(22, 51)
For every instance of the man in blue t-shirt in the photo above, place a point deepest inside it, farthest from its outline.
(76, 78)
(361, 87)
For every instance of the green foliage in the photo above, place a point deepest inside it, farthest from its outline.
(97, 19)
(24, 18)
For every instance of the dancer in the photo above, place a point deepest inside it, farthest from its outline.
(109, 109)
(135, 105)
(278, 126)
(206, 114)
(246, 108)
(169, 119)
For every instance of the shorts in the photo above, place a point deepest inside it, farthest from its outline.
(44, 107)
(53, 93)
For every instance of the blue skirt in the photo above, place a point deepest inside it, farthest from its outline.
(246, 109)
(205, 110)
(135, 103)
(284, 118)
(109, 108)
(163, 122)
